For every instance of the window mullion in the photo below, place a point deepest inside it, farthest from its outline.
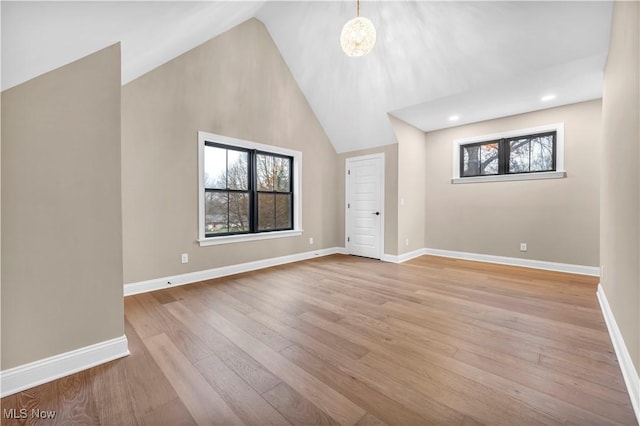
(226, 179)
(502, 154)
(554, 165)
(226, 165)
(530, 147)
(291, 191)
(275, 208)
(253, 182)
(228, 211)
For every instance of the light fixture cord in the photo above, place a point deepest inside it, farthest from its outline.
(358, 8)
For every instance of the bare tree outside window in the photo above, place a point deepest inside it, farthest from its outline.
(480, 160)
(226, 211)
(273, 178)
(525, 154)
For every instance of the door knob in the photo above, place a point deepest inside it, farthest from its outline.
(377, 213)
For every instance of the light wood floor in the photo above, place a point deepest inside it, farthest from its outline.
(347, 340)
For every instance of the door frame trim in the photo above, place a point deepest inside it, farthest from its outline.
(381, 156)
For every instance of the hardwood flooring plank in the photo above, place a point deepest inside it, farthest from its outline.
(408, 350)
(436, 293)
(376, 403)
(306, 337)
(111, 394)
(268, 293)
(370, 420)
(74, 397)
(242, 364)
(146, 382)
(470, 421)
(510, 339)
(331, 402)
(256, 294)
(172, 413)
(202, 401)
(315, 301)
(296, 408)
(163, 323)
(470, 397)
(163, 296)
(599, 373)
(247, 403)
(580, 393)
(507, 399)
(247, 295)
(252, 327)
(143, 324)
(180, 292)
(352, 289)
(570, 331)
(471, 311)
(449, 341)
(385, 387)
(349, 347)
(19, 409)
(215, 294)
(458, 397)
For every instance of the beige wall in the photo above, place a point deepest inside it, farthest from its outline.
(620, 197)
(557, 218)
(390, 198)
(235, 85)
(411, 186)
(61, 211)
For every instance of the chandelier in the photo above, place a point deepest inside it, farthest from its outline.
(358, 35)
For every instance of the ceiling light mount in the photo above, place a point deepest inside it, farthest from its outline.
(358, 35)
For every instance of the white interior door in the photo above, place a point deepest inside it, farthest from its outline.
(364, 205)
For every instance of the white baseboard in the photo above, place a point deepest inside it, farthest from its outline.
(631, 378)
(514, 261)
(402, 257)
(45, 370)
(223, 271)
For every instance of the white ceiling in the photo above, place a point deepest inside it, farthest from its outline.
(477, 60)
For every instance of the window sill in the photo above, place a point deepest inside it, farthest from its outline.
(230, 239)
(503, 178)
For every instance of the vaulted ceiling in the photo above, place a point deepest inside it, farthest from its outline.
(432, 60)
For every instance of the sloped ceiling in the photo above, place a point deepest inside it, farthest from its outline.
(432, 60)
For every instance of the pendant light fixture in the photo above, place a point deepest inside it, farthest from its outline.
(358, 35)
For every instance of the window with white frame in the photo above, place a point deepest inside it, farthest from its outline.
(534, 153)
(247, 190)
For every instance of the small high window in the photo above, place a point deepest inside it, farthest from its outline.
(522, 154)
(525, 154)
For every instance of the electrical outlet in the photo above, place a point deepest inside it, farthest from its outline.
(523, 246)
(406, 242)
(310, 240)
(185, 258)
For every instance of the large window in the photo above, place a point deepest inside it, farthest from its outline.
(524, 154)
(247, 189)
